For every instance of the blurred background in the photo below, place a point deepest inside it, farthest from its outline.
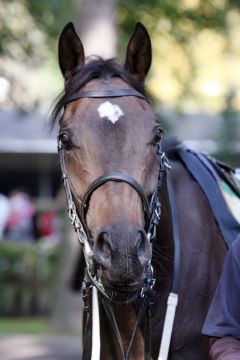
(195, 84)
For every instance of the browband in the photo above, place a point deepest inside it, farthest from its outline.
(105, 93)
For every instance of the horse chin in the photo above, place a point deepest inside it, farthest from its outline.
(121, 291)
(117, 293)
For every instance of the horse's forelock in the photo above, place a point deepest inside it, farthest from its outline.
(94, 68)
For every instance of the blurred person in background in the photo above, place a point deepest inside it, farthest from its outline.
(4, 213)
(47, 227)
(20, 221)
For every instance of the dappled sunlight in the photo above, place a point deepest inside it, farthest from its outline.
(209, 66)
(190, 4)
(193, 65)
(25, 60)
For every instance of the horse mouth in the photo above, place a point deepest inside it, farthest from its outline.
(123, 291)
(118, 288)
(126, 288)
(124, 295)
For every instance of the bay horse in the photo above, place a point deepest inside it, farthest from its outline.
(114, 172)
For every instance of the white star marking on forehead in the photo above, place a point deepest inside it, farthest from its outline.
(110, 111)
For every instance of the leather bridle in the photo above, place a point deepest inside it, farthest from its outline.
(77, 214)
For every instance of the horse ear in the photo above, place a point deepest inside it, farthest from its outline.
(70, 50)
(139, 53)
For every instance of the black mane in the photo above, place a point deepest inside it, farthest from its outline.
(93, 69)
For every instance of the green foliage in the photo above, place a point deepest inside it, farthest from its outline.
(179, 28)
(28, 50)
(20, 38)
(180, 19)
(203, 14)
(24, 326)
(26, 278)
(29, 26)
(194, 44)
(51, 16)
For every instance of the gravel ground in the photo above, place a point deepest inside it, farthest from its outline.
(39, 347)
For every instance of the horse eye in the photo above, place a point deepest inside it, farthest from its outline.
(66, 141)
(158, 132)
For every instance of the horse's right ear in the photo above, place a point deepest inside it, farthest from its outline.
(70, 50)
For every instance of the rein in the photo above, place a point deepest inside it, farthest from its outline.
(77, 217)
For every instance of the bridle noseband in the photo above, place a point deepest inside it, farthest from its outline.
(116, 177)
(77, 215)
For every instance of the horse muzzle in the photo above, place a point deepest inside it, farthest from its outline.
(121, 254)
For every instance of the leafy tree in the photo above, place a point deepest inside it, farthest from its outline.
(50, 16)
(28, 31)
(180, 30)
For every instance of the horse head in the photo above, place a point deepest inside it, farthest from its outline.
(108, 135)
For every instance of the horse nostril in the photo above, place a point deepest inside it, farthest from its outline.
(103, 248)
(143, 248)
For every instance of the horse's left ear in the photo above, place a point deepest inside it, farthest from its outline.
(139, 53)
(70, 50)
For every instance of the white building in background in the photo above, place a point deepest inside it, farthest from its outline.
(28, 153)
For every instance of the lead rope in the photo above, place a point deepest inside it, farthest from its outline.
(95, 355)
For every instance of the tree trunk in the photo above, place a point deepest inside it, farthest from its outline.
(96, 25)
